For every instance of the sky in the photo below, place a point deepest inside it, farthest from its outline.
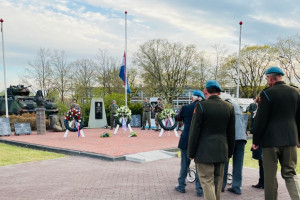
(81, 28)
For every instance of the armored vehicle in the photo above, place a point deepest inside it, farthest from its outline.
(20, 102)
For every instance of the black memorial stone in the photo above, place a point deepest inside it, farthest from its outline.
(22, 128)
(135, 121)
(4, 126)
(98, 110)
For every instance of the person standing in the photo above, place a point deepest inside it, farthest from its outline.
(146, 114)
(239, 149)
(211, 140)
(158, 109)
(277, 129)
(185, 115)
(74, 104)
(113, 110)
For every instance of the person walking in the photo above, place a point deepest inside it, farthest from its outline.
(239, 149)
(277, 129)
(113, 110)
(211, 140)
(146, 114)
(185, 114)
(158, 109)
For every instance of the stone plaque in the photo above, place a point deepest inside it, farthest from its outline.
(4, 126)
(135, 121)
(98, 110)
(22, 128)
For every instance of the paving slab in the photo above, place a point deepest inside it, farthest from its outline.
(150, 156)
(81, 178)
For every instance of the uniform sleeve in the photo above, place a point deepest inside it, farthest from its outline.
(298, 117)
(195, 132)
(231, 132)
(260, 120)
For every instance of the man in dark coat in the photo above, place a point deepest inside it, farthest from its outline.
(277, 129)
(185, 115)
(211, 140)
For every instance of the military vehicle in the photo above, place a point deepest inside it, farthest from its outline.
(20, 102)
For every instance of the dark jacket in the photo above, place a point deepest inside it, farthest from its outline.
(277, 121)
(186, 115)
(212, 132)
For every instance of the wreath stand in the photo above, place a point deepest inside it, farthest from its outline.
(117, 128)
(162, 130)
(70, 125)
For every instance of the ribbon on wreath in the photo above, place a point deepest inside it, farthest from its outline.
(124, 126)
(78, 127)
(168, 123)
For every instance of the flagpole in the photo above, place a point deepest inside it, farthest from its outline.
(238, 81)
(4, 69)
(125, 79)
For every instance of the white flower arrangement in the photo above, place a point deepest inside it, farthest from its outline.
(123, 111)
(167, 113)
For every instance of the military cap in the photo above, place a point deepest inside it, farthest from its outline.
(158, 98)
(113, 101)
(213, 83)
(275, 70)
(198, 93)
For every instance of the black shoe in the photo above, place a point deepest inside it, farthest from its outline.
(156, 129)
(149, 128)
(143, 128)
(177, 188)
(258, 186)
(232, 190)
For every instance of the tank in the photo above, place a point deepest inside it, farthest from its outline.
(20, 102)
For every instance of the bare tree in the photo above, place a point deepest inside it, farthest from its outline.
(254, 62)
(61, 73)
(83, 77)
(40, 71)
(220, 51)
(165, 67)
(108, 72)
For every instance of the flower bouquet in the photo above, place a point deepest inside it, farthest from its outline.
(124, 112)
(105, 135)
(133, 134)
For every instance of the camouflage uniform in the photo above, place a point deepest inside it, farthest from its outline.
(146, 115)
(113, 110)
(158, 109)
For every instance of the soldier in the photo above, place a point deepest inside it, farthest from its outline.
(277, 130)
(158, 109)
(75, 105)
(211, 140)
(112, 110)
(146, 114)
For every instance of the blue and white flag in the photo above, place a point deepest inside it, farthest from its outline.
(122, 73)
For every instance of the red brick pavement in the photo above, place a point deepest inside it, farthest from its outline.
(117, 145)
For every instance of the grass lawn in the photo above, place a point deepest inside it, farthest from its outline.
(10, 155)
(249, 162)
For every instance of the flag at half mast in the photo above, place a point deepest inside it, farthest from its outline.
(122, 73)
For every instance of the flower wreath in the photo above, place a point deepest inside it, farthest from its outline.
(125, 112)
(76, 115)
(166, 115)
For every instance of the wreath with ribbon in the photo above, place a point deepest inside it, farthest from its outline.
(166, 115)
(76, 115)
(124, 112)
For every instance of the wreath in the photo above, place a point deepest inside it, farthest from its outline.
(76, 115)
(125, 112)
(166, 115)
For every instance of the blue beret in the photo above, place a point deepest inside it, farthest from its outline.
(276, 70)
(199, 94)
(213, 83)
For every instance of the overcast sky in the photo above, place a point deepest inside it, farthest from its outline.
(80, 28)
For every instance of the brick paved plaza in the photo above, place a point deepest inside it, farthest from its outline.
(75, 177)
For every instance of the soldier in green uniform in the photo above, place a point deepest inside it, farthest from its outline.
(211, 140)
(277, 130)
(146, 114)
(112, 110)
(75, 105)
(158, 109)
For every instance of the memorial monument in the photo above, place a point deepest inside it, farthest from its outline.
(97, 117)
